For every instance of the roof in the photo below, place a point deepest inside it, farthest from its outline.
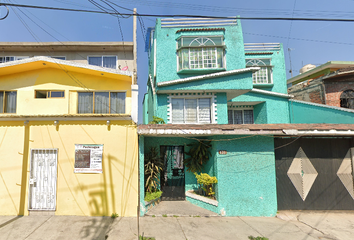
(327, 65)
(207, 76)
(246, 129)
(65, 46)
(70, 66)
(65, 117)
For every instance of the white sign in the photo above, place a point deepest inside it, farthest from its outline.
(88, 158)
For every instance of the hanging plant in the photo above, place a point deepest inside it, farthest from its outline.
(199, 153)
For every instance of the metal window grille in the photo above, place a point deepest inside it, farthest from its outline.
(264, 75)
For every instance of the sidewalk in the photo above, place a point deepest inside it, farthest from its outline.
(288, 225)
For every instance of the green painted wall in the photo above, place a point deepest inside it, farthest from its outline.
(221, 108)
(141, 176)
(302, 112)
(273, 109)
(246, 176)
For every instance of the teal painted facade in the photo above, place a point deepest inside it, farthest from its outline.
(305, 112)
(246, 173)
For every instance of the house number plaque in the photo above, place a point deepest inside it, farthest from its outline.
(222, 152)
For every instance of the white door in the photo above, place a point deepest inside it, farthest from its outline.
(43, 179)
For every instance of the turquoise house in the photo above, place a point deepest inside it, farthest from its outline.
(207, 84)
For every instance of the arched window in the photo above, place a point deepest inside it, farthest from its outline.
(200, 52)
(347, 99)
(264, 75)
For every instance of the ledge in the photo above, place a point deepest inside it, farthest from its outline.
(191, 194)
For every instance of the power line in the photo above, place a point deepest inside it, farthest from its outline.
(185, 15)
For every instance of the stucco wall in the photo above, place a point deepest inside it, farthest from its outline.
(303, 112)
(113, 191)
(274, 110)
(246, 176)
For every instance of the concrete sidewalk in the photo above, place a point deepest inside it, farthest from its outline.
(288, 225)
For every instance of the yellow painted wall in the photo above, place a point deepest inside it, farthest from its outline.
(87, 194)
(11, 159)
(55, 79)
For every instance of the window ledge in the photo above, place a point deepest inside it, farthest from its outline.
(201, 70)
(191, 194)
(263, 85)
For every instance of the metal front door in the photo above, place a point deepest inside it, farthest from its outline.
(43, 179)
(173, 173)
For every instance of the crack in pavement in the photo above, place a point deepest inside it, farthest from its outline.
(181, 228)
(38, 227)
(328, 236)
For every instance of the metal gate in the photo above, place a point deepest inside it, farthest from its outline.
(314, 173)
(172, 177)
(43, 179)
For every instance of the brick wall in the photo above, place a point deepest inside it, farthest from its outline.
(335, 88)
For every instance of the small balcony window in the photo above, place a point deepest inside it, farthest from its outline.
(264, 75)
(242, 116)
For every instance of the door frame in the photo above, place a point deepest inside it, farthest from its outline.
(55, 179)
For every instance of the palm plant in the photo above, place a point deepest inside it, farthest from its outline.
(199, 153)
(153, 166)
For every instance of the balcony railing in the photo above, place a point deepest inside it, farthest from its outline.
(262, 47)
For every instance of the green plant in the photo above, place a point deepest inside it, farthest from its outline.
(157, 120)
(146, 238)
(199, 153)
(114, 215)
(164, 215)
(151, 196)
(207, 183)
(153, 216)
(257, 238)
(153, 166)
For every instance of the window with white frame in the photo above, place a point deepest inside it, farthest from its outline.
(103, 61)
(8, 101)
(240, 116)
(264, 75)
(101, 102)
(200, 52)
(191, 110)
(11, 58)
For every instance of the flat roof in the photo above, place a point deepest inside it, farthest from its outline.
(329, 64)
(65, 46)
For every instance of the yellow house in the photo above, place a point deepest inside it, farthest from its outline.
(68, 138)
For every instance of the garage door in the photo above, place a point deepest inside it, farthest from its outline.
(314, 173)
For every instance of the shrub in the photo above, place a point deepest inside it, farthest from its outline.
(153, 166)
(199, 154)
(207, 183)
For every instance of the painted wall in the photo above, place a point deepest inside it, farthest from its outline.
(272, 109)
(166, 60)
(278, 70)
(52, 79)
(246, 176)
(303, 112)
(86, 194)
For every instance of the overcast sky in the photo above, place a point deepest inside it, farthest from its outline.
(314, 42)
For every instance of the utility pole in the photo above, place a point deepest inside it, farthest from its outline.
(135, 70)
(291, 68)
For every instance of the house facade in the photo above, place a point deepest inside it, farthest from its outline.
(68, 129)
(207, 85)
(331, 84)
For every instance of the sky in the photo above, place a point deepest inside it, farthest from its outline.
(308, 42)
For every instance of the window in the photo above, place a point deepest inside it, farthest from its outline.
(200, 52)
(264, 75)
(347, 99)
(191, 110)
(103, 61)
(49, 94)
(241, 116)
(12, 58)
(101, 102)
(8, 101)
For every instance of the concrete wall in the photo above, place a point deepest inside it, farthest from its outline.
(124, 58)
(246, 176)
(26, 83)
(272, 109)
(303, 112)
(87, 194)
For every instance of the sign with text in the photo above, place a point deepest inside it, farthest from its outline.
(88, 158)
